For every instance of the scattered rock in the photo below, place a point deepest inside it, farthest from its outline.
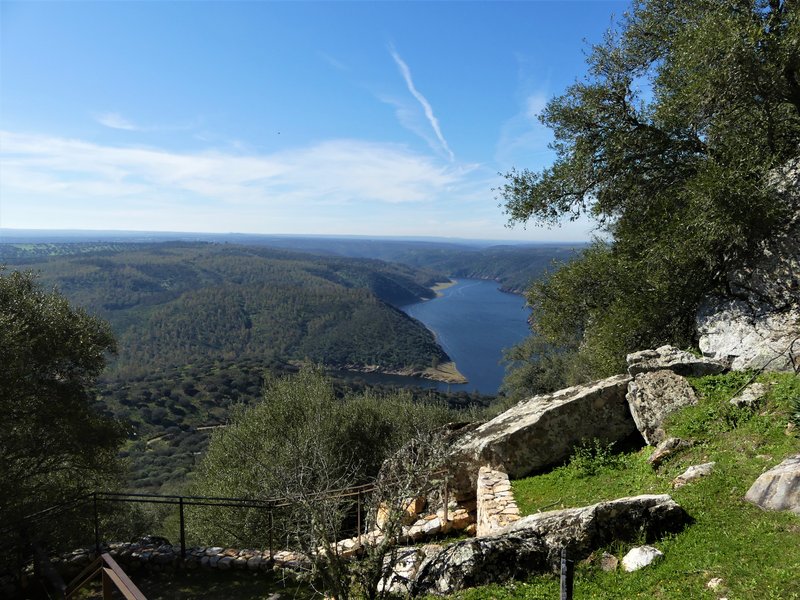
(640, 557)
(750, 397)
(670, 358)
(608, 562)
(714, 583)
(692, 473)
(666, 449)
(543, 431)
(653, 395)
(533, 544)
(778, 488)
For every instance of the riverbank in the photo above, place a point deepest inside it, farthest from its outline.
(446, 372)
(443, 286)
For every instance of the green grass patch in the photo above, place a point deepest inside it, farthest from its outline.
(756, 553)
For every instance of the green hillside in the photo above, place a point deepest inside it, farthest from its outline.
(175, 304)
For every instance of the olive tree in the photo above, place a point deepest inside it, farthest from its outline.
(671, 142)
(53, 446)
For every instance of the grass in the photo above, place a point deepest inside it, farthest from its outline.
(756, 553)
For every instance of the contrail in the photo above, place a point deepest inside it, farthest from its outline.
(426, 106)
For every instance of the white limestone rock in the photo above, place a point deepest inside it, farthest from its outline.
(640, 557)
(750, 397)
(778, 488)
(543, 430)
(672, 359)
(692, 473)
(652, 396)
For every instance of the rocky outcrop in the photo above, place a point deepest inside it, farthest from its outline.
(672, 359)
(749, 336)
(778, 488)
(751, 396)
(534, 543)
(543, 430)
(756, 324)
(496, 505)
(653, 395)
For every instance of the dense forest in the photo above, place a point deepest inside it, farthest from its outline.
(514, 266)
(177, 303)
(199, 325)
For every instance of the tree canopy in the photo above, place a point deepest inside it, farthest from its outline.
(52, 445)
(673, 142)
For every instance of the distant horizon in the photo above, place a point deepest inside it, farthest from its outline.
(307, 118)
(12, 232)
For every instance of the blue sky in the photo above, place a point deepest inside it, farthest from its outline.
(365, 118)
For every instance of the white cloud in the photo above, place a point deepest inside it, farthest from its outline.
(332, 172)
(523, 139)
(115, 121)
(426, 106)
(534, 105)
(342, 186)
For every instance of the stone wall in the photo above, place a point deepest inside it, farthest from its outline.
(496, 505)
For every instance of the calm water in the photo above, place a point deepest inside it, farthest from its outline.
(474, 322)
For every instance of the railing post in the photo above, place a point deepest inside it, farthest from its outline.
(96, 524)
(358, 516)
(446, 502)
(183, 528)
(567, 575)
(271, 553)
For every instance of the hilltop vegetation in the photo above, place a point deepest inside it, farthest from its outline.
(199, 325)
(175, 304)
(674, 142)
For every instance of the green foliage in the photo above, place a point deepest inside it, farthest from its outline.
(52, 445)
(672, 143)
(173, 304)
(591, 457)
(302, 434)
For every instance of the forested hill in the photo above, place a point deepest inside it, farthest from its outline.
(514, 266)
(173, 304)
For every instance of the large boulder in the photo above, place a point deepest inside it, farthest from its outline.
(542, 431)
(672, 359)
(756, 323)
(534, 543)
(778, 488)
(652, 396)
(749, 336)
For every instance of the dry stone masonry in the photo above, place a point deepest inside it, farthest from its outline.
(496, 505)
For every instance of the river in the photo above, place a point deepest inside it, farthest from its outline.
(474, 322)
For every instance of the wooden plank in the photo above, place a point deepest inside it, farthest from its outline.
(120, 579)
